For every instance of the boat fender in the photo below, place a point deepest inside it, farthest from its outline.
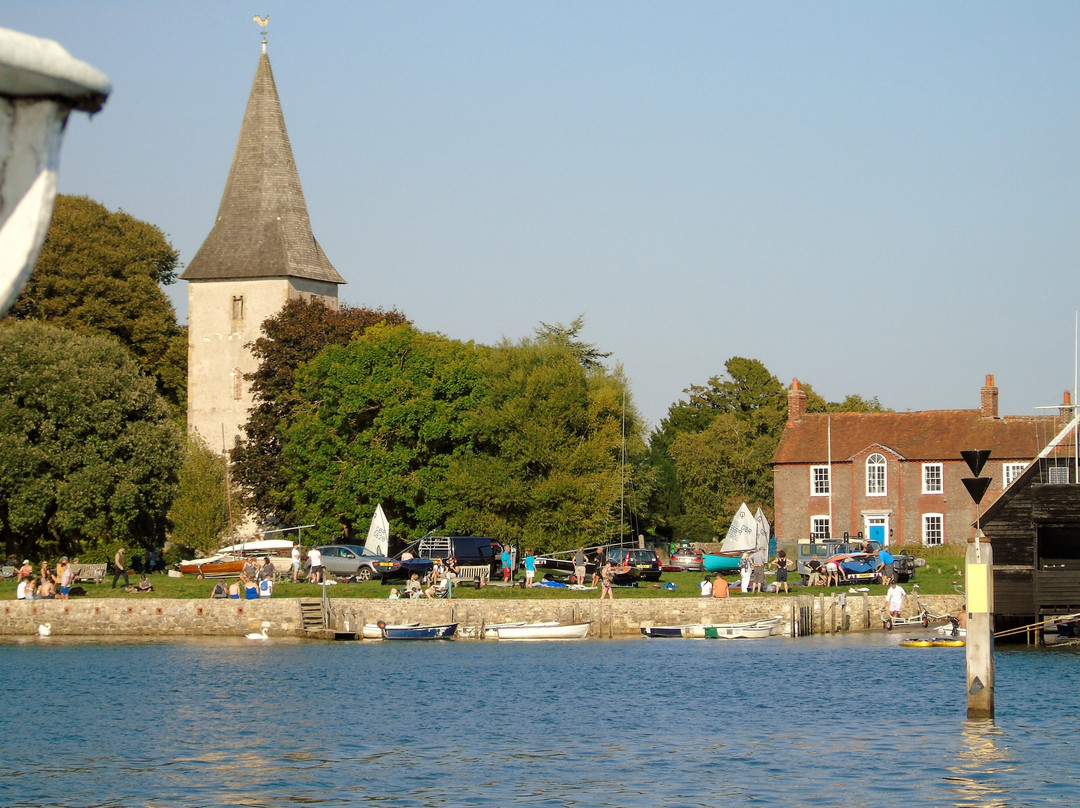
(382, 625)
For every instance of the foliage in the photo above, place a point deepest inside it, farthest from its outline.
(292, 337)
(379, 420)
(200, 513)
(567, 336)
(544, 468)
(714, 450)
(88, 454)
(102, 272)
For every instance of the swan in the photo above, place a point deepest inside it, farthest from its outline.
(44, 630)
(259, 636)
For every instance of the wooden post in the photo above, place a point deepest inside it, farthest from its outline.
(979, 586)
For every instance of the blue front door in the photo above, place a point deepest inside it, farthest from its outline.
(877, 533)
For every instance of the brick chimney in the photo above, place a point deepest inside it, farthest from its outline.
(988, 405)
(1066, 410)
(796, 403)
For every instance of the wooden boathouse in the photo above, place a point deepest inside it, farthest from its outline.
(1034, 528)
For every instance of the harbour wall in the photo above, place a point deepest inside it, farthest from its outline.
(283, 617)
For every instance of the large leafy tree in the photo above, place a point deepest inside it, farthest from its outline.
(88, 452)
(292, 337)
(379, 420)
(546, 463)
(103, 272)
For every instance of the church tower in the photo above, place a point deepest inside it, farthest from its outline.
(260, 253)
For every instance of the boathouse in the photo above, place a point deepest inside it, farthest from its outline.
(1034, 529)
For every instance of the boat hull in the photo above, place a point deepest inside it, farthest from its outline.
(535, 631)
(212, 567)
(719, 563)
(755, 630)
(670, 632)
(444, 632)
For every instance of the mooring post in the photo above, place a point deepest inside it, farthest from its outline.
(979, 586)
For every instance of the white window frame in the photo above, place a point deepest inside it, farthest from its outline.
(819, 475)
(820, 529)
(1010, 471)
(877, 461)
(928, 478)
(927, 530)
(1057, 475)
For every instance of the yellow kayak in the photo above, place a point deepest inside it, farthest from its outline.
(913, 643)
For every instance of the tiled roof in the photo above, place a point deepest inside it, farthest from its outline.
(925, 435)
(262, 228)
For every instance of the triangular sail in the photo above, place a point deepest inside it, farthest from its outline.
(378, 535)
(742, 534)
(762, 531)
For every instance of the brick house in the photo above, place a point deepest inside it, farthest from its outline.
(896, 476)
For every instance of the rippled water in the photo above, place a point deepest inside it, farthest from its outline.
(813, 722)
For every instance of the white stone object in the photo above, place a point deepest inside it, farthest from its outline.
(40, 83)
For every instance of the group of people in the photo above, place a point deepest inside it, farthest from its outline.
(56, 583)
(255, 581)
(444, 571)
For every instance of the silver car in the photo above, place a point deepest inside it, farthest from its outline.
(352, 560)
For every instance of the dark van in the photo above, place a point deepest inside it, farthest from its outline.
(470, 551)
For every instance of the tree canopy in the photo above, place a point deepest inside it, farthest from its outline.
(88, 453)
(199, 515)
(295, 335)
(103, 272)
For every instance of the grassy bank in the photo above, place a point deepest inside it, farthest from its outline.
(944, 565)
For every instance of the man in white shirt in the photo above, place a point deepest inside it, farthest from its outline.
(316, 574)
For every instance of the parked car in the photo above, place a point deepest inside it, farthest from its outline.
(351, 560)
(688, 558)
(646, 562)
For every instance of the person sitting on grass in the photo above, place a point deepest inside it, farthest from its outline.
(412, 587)
(719, 586)
(144, 584)
(220, 590)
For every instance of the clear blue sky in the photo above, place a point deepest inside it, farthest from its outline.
(877, 198)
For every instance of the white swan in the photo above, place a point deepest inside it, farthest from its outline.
(44, 630)
(261, 636)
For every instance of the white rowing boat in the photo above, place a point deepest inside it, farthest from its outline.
(545, 631)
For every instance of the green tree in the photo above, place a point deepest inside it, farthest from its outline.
(586, 353)
(546, 461)
(200, 513)
(88, 453)
(292, 337)
(103, 272)
(378, 420)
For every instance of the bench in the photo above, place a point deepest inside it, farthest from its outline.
(94, 573)
(481, 573)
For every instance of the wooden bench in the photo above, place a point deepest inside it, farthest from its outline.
(481, 573)
(94, 573)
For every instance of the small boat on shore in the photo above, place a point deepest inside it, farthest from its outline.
(371, 631)
(218, 566)
(545, 631)
(752, 630)
(490, 631)
(691, 631)
(443, 632)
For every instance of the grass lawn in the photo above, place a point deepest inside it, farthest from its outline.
(944, 565)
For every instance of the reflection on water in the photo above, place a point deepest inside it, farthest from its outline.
(812, 722)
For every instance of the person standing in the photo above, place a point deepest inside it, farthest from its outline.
(757, 570)
(530, 569)
(507, 564)
(120, 567)
(744, 572)
(598, 563)
(295, 563)
(67, 576)
(315, 573)
(894, 599)
(782, 569)
(580, 560)
(605, 581)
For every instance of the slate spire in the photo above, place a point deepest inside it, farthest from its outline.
(262, 228)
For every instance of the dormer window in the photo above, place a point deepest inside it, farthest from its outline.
(876, 478)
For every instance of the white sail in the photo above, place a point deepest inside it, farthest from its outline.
(741, 536)
(378, 535)
(762, 529)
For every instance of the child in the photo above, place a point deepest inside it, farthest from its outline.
(393, 595)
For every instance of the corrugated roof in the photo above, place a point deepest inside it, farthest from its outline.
(925, 435)
(262, 228)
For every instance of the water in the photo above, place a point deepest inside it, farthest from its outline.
(855, 721)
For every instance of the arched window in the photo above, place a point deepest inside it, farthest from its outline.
(875, 475)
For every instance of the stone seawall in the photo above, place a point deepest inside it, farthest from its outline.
(282, 616)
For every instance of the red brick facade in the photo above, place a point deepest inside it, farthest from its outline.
(919, 497)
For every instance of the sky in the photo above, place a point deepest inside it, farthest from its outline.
(875, 198)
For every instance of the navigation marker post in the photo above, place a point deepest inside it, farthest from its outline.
(979, 586)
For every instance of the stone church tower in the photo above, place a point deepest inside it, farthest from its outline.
(260, 253)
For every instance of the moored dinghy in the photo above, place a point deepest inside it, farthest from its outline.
(443, 632)
(691, 631)
(545, 631)
(752, 630)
